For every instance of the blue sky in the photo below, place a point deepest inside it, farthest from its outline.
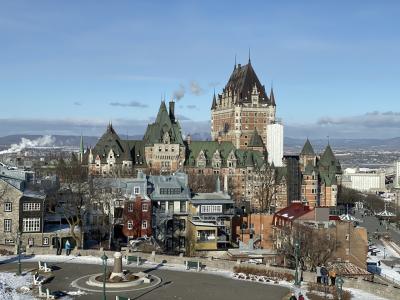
(69, 67)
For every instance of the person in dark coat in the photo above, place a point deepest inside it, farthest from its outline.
(301, 297)
(58, 245)
(293, 297)
(324, 275)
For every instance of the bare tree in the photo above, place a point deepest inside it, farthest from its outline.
(316, 245)
(75, 202)
(265, 187)
(200, 183)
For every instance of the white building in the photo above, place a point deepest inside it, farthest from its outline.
(275, 144)
(396, 182)
(365, 180)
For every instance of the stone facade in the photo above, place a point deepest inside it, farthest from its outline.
(243, 107)
(320, 176)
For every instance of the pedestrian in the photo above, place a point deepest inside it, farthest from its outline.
(58, 245)
(301, 297)
(67, 247)
(324, 274)
(293, 297)
(379, 263)
(332, 275)
(318, 271)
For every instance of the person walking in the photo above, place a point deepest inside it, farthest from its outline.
(301, 297)
(293, 297)
(332, 275)
(324, 275)
(58, 245)
(318, 271)
(68, 247)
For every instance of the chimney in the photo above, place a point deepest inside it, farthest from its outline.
(188, 139)
(225, 184)
(172, 110)
(219, 139)
(218, 185)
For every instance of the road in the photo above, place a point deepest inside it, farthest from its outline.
(175, 284)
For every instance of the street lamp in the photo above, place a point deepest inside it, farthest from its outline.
(19, 252)
(296, 253)
(104, 259)
(384, 253)
(339, 286)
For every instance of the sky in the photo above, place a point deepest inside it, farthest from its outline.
(70, 67)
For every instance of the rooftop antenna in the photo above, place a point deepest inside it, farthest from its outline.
(235, 62)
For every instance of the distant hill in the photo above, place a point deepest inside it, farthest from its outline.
(291, 144)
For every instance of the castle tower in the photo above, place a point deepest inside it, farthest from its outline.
(241, 108)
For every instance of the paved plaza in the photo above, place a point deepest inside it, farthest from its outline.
(173, 285)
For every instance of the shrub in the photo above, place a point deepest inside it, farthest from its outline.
(263, 272)
(321, 288)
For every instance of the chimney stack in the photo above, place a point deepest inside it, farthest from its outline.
(219, 139)
(172, 110)
(225, 184)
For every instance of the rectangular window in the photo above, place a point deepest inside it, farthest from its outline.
(210, 209)
(7, 225)
(31, 224)
(130, 225)
(7, 206)
(31, 241)
(31, 206)
(182, 205)
(130, 207)
(136, 190)
(45, 241)
(145, 207)
(144, 224)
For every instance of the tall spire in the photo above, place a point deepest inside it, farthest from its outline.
(234, 66)
(249, 57)
(81, 149)
(272, 97)
(214, 102)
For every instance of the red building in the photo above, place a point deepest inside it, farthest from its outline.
(137, 217)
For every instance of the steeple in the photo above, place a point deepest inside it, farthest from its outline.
(81, 149)
(272, 97)
(235, 63)
(214, 102)
(110, 128)
(249, 57)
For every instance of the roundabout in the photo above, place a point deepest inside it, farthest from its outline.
(74, 277)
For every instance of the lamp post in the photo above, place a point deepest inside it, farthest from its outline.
(384, 253)
(19, 252)
(104, 259)
(339, 286)
(296, 253)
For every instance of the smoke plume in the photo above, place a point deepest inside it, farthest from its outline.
(46, 140)
(179, 93)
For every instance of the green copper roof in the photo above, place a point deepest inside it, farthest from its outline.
(163, 123)
(256, 140)
(328, 158)
(307, 149)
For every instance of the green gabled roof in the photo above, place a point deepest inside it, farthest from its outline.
(163, 123)
(209, 148)
(256, 140)
(281, 173)
(328, 180)
(244, 158)
(109, 140)
(328, 158)
(309, 169)
(307, 149)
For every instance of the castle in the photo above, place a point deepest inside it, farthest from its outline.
(245, 137)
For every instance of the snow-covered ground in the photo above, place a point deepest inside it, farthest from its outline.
(14, 282)
(15, 287)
